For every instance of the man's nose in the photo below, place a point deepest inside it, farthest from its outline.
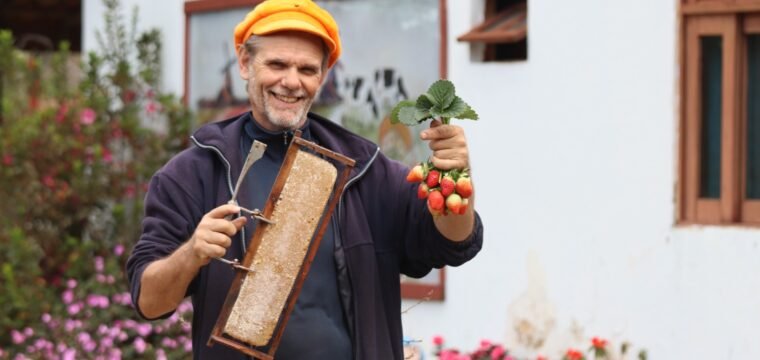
(290, 79)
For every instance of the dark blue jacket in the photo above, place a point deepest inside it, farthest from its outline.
(381, 230)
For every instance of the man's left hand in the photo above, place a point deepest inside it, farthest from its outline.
(448, 144)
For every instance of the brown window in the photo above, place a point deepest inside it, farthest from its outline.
(720, 127)
(503, 35)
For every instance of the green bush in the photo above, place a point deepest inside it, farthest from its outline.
(76, 153)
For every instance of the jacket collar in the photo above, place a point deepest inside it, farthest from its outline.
(225, 135)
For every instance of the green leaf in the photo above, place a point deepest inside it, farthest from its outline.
(468, 114)
(421, 115)
(408, 116)
(425, 102)
(395, 112)
(454, 111)
(442, 93)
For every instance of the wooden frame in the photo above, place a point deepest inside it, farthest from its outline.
(507, 26)
(732, 21)
(296, 145)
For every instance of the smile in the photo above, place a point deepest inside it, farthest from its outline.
(285, 98)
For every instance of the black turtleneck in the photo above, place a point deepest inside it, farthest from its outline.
(317, 327)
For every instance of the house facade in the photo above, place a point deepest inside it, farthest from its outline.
(613, 163)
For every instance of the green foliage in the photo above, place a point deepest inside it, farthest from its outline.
(79, 140)
(440, 101)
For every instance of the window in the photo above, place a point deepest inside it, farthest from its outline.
(720, 127)
(42, 25)
(503, 35)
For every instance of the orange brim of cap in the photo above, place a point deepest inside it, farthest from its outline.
(291, 20)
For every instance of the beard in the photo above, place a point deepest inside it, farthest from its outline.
(283, 119)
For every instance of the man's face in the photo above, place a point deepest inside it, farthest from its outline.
(283, 78)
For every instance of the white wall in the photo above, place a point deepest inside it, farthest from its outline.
(166, 15)
(575, 165)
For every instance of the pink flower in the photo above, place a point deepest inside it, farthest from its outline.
(160, 354)
(438, 340)
(88, 116)
(100, 278)
(107, 155)
(497, 352)
(70, 354)
(67, 297)
(151, 107)
(71, 283)
(46, 318)
(144, 329)
(485, 344)
(118, 250)
(99, 264)
(7, 159)
(17, 337)
(139, 345)
(74, 309)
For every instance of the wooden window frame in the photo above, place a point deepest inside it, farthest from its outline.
(508, 26)
(733, 21)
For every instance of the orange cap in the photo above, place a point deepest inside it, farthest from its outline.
(273, 16)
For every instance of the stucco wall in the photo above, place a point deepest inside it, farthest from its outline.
(575, 166)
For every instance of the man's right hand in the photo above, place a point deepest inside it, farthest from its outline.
(214, 233)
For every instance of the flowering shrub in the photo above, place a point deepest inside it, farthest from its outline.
(94, 318)
(78, 143)
(599, 349)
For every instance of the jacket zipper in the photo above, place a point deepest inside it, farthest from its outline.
(339, 236)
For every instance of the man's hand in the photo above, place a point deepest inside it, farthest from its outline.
(214, 233)
(164, 282)
(448, 144)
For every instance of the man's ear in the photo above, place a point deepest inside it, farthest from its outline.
(244, 61)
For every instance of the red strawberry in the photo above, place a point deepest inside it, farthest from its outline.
(464, 187)
(435, 202)
(433, 178)
(463, 208)
(422, 191)
(447, 185)
(454, 203)
(416, 174)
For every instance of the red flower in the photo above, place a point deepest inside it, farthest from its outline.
(598, 343)
(438, 340)
(541, 357)
(497, 352)
(7, 159)
(573, 354)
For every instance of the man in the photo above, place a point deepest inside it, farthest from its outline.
(350, 305)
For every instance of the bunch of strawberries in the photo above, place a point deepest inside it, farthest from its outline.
(446, 191)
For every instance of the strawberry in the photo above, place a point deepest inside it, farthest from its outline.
(464, 187)
(463, 208)
(416, 174)
(447, 185)
(422, 191)
(433, 178)
(454, 203)
(435, 203)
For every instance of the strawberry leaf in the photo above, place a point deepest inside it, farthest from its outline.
(468, 114)
(442, 93)
(425, 102)
(456, 108)
(395, 119)
(407, 116)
